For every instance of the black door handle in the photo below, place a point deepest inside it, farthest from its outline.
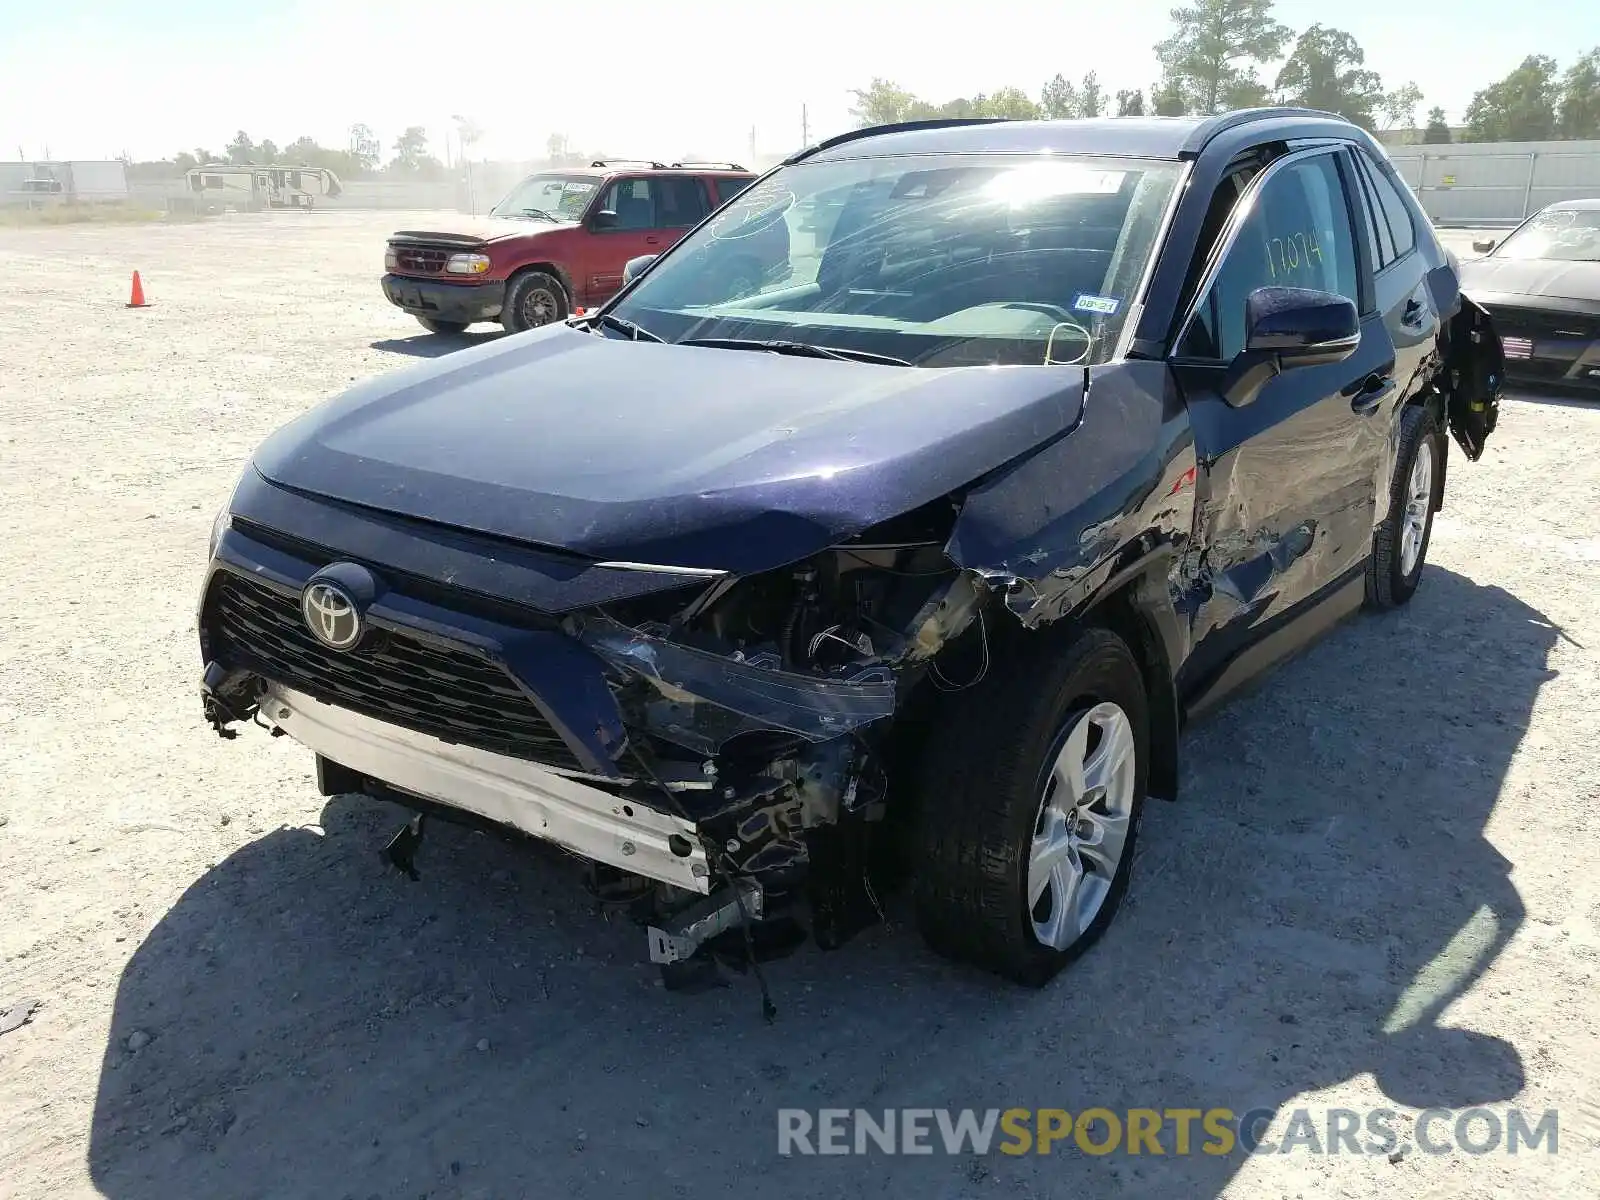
(1368, 400)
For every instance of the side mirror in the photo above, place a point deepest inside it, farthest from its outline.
(1288, 328)
(604, 219)
(1484, 245)
(634, 266)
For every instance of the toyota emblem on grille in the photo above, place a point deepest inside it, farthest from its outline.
(331, 615)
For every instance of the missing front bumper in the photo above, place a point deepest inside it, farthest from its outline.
(595, 824)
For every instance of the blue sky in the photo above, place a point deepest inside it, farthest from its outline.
(91, 78)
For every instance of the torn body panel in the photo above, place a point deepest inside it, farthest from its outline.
(1056, 529)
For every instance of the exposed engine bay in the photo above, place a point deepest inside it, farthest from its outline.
(759, 705)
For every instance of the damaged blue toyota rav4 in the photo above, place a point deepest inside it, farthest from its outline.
(900, 557)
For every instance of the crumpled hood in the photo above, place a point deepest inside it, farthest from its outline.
(680, 455)
(484, 229)
(1531, 277)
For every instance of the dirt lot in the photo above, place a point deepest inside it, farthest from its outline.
(1381, 889)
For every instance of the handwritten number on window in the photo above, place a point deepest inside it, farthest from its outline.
(1288, 256)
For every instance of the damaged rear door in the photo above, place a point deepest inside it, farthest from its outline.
(1284, 495)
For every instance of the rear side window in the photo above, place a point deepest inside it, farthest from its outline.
(1397, 235)
(1298, 234)
(680, 201)
(727, 188)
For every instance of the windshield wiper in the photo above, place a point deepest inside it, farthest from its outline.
(798, 349)
(637, 332)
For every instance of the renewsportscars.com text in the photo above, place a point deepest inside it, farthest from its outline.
(1174, 1131)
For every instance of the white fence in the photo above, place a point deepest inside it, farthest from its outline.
(1497, 183)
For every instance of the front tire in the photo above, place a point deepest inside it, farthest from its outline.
(434, 325)
(1032, 793)
(534, 298)
(1400, 543)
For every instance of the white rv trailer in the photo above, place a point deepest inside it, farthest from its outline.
(259, 187)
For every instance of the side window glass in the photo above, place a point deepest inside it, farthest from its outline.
(631, 200)
(727, 188)
(1380, 220)
(1298, 234)
(680, 202)
(1370, 219)
(1394, 207)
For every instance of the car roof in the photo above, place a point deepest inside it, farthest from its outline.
(1588, 205)
(603, 168)
(1133, 137)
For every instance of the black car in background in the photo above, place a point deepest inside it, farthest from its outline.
(1541, 284)
(911, 551)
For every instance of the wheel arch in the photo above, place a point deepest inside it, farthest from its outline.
(1136, 606)
(549, 268)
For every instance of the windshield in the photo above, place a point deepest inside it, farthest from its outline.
(937, 261)
(562, 197)
(1569, 234)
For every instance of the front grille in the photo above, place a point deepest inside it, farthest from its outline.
(450, 694)
(421, 260)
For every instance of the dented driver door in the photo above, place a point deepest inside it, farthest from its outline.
(1284, 487)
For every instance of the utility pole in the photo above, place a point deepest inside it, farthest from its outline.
(805, 127)
(752, 145)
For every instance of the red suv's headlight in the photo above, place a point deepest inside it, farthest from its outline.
(466, 264)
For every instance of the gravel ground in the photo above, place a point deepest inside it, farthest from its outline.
(1381, 889)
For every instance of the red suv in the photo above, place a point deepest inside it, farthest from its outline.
(557, 242)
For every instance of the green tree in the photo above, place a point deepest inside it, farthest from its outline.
(1399, 107)
(1130, 103)
(241, 151)
(1326, 71)
(1438, 131)
(882, 103)
(1009, 103)
(1208, 62)
(411, 155)
(184, 162)
(1092, 102)
(1063, 99)
(364, 148)
(203, 156)
(1578, 111)
(1059, 99)
(1166, 100)
(267, 151)
(1519, 108)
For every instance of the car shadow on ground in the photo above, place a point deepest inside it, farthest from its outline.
(304, 1022)
(435, 345)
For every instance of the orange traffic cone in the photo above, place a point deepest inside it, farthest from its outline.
(137, 300)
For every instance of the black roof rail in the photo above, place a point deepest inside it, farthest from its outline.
(897, 127)
(724, 166)
(1222, 122)
(628, 162)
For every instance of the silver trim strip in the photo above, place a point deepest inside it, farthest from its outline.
(585, 820)
(660, 569)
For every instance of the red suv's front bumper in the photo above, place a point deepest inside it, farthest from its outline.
(465, 302)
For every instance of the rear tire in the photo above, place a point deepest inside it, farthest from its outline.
(993, 784)
(534, 298)
(1400, 544)
(434, 325)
